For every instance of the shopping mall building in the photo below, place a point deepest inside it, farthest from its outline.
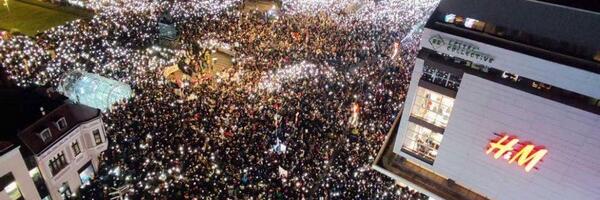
(502, 104)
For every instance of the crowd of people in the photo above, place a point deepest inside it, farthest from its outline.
(301, 114)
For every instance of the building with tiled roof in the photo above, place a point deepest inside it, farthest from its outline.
(51, 143)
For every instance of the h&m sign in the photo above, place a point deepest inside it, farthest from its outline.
(510, 148)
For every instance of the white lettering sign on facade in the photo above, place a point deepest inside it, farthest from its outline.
(460, 49)
(573, 79)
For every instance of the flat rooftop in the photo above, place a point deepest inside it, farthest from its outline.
(552, 19)
(589, 5)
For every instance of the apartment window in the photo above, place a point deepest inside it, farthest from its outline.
(75, 148)
(10, 187)
(45, 135)
(58, 163)
(421, 143)
(432, 107)
(61, 124)
(97, 137)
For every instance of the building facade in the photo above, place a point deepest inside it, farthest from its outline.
(72, 160)
(498, 110)
(58, 153)
(16, 182)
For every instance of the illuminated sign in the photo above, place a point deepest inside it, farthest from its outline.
(509, 148)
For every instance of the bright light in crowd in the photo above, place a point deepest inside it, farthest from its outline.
(281, 108)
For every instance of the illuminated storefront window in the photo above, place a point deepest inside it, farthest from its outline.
(86, 174)
(65, 191)
(432, 107)
(10, 187)
(422, 142)
(13, 191)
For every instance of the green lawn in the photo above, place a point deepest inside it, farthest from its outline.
(29, 18)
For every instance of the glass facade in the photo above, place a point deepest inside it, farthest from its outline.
(94, 90)
(429, 117)
(422, 142)
(432, 107)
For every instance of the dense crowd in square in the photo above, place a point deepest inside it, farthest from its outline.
(301, 114)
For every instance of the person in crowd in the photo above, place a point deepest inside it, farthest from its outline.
(273, 126)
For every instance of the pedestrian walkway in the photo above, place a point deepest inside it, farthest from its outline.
(223, 61)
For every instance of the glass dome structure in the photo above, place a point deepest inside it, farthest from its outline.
(93, 90)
